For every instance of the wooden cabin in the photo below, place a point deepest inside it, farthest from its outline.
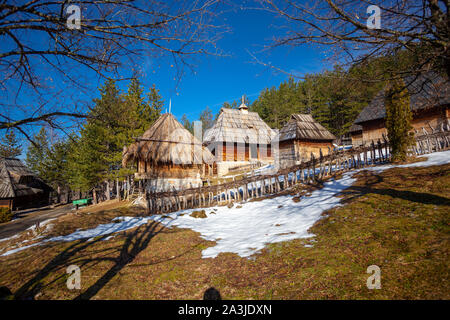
(300, 137)
(429, 102)
(167, 156)
(356, 135)
(19, 187)
(239, 138)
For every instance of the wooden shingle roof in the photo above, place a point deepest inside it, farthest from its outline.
(426, 91)
(17, 180)
(237, 126)
(304, 127)
(355, 128)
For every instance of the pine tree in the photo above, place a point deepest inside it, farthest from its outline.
(37, 154)
(233, 105)
(155, 105)
(187, 124)
(116, 120)
(49, 161)
(9, 145)
(206, 117)
(398, 119)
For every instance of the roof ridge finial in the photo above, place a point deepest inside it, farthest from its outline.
(243, 105)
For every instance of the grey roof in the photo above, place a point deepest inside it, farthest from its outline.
(426, 91)
(17, 180)
(355, 128)
(304, 127)
(239, 126)
(6, 187)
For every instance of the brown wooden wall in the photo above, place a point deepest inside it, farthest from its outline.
(242, 152)
(170, 171)
(373, 130)
(6, 203)
(296, 150)
(357, 138)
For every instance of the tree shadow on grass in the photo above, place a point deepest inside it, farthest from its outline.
(371, 187)
(419, 197)
(135, 243)
(34, 285)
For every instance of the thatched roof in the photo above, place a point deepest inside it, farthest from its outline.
(304, 127)
(426, 91)
(167, 142)
(17, 180)
(239, 126)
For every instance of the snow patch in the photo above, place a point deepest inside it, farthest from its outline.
(122, 224)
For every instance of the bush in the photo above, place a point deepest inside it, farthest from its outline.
(5, 214)
(398, 120)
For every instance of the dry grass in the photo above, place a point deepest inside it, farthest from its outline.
(398, 220)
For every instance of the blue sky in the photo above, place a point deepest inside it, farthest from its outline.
(215, 79)
(220, 79)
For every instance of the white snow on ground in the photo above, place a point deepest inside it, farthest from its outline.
(41, 224)
(13, 237)
(122, 224)
(248, 229)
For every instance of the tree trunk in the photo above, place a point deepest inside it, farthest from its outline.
(117, 189)
(94, 196)
(58, 196)
(108, 196)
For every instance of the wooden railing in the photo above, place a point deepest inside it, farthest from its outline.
(316, 169)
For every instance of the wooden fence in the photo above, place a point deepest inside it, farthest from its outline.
(258, 186)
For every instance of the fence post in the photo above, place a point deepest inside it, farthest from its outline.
(386, 147)
(380, 150)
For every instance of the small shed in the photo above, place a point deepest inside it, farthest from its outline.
(20, 188)
(300, 137)
(168, 156)
(238, 138)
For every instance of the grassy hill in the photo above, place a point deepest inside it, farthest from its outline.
(397, 219)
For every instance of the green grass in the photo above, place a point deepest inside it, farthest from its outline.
(398, 220)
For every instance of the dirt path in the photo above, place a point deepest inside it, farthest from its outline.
(26, 219)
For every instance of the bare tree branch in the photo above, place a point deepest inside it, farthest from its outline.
(35, 37)
(421, 28)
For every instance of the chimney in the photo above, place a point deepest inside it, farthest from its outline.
(243, 107)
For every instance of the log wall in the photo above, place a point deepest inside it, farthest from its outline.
(429, 119)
